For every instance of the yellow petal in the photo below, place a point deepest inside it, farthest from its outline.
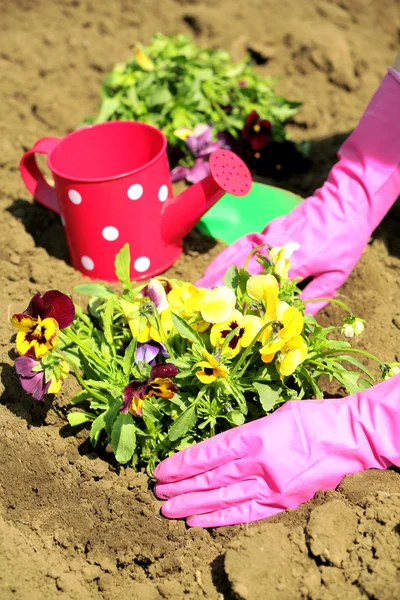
(293, 322)
(175, 298)
(183, 132)
(265, 289)
(23, 322)
(251, 326)
(54, 387)
(217, 304)
(290, 361)
(200, 326)
(211, 360)
(267, 358)
(204, 376)
(143, 60)
(273, 347)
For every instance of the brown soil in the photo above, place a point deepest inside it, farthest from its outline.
(72, 525)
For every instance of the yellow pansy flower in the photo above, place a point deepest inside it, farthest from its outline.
(187, 300)
(210, 369)
(292, 355)
(248, 325)
(265, 289)
(280, 257)
(292, 323)
(36, 336)
(217, 304)
(144, 334)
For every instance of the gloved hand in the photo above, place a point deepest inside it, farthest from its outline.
(259, 469)
(333, 226)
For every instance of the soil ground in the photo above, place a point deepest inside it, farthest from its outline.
(74, 526)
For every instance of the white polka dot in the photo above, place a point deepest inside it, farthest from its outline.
(87, 263)
(110, 233)
(135, 191)
(163, 193)
(141, 264)
(75, 197)
(62, 220)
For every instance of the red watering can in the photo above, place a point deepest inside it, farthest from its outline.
(112, 186)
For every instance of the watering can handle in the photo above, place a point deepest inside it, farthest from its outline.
(33, 178)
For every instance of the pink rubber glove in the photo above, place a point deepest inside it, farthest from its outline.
(333, 226)
(259, 469)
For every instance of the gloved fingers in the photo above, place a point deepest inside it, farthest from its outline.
(246, 512)
(212, 479)
(322, 286)
(198, 503)
(200, 458)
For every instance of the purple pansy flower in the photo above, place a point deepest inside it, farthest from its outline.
(201, 145)
(33, 382)
(149, 351)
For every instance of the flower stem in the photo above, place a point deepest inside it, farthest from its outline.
(256, 249)
(163, 335)
(331, 301)
(249, 348)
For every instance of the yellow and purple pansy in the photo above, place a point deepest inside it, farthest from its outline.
(159, 384)
(39, 325)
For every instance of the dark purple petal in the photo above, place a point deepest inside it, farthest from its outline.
(35, 308)
(24, 366)
(54, 305)
(135, 388)
(147, 352)
(60, 307)
(179, 173)
(166, 370)
(199, 171)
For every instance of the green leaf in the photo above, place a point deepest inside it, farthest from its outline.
(93, 289)
(96, 428)
(355, 362)
(268, 394)
(123, 438)
(108, 321)
(159, 97)
(186, 331)
(183, 424)
(151, 412)
(109, 417)
(231, 277)
(80, 397)
(122, 267)
(77, 418)
(235, 417)
(129, 357)
(107, 109)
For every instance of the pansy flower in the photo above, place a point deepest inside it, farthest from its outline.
(159, 384)
(210, 369)
(248, 325)
(39, 325)
(200, 143)
(256, 132)
(149, 351)
(33, 380)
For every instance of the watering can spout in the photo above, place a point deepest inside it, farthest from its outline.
(228, 174)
